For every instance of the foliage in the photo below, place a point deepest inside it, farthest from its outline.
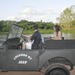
(4, 25)
(67, 18)
(1, 26)
(28, 26)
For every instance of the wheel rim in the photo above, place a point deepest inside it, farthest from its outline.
(58, 72)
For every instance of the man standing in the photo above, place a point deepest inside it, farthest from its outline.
(36, 38)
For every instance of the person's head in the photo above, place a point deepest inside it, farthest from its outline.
(57, 27)
(35, 27)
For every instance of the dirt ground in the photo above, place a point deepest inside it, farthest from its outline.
(27, 73)
(73, 72)
(20, 73)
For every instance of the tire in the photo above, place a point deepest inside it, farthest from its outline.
(57, 69)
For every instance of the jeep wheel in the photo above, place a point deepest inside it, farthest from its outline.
(57, 72)
(57, 69)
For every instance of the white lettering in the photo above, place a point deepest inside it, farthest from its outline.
(22, 55)
(29, 58)
(22, 62)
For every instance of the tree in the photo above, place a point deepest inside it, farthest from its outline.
(66, 18)
(23, 23)
(1, 26)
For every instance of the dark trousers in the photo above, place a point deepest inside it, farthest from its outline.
(37, 46)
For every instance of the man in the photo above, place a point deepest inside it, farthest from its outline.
(36, 38)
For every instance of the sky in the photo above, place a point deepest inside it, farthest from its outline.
(33, 10)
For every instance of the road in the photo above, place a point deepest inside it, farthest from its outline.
(20, 73)
(27, 73)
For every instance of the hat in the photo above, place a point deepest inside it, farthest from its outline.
(35, 27)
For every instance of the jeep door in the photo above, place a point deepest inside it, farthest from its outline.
(20, 60)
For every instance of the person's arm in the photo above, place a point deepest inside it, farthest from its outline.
(33, 36)
(26, 35)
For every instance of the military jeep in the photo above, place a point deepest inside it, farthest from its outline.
(55, 57)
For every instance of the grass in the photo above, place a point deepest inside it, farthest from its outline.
(2, 33)
(44, 31)
(69, 31)
(48, 31)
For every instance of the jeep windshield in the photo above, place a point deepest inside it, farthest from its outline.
(15, 31)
